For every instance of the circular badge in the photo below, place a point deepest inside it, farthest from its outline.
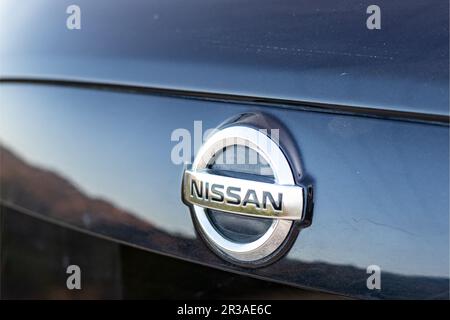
(243, 194)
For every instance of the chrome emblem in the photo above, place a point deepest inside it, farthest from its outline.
(279, 204)
(245, 197)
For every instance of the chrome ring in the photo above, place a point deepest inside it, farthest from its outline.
(271, 152)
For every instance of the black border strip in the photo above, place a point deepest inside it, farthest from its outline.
(227, 268)
(234, 98)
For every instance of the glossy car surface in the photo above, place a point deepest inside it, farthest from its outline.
(87, 118)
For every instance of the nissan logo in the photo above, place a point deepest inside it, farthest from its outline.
(278, 203)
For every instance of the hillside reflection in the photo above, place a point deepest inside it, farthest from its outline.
(49, 194)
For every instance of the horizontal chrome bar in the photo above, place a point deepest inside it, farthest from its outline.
(242, 196)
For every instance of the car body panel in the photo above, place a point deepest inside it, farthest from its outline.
(380, 186)
(316, 52)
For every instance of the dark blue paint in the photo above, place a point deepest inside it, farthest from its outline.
(313, 51)
(381, 186)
